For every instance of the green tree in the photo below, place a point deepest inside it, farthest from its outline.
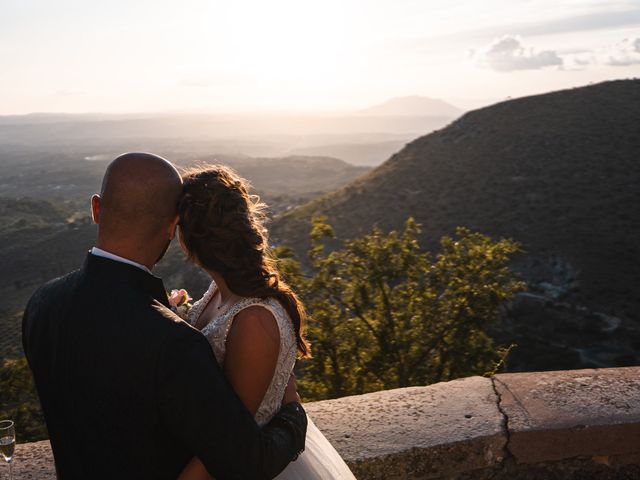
(19, 400)
(386, 314)
(383, 314)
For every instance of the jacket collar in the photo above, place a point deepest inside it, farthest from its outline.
(108, 269)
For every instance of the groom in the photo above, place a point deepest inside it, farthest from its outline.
(128, 390)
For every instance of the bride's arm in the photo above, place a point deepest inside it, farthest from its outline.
(253, 345)
(252, 349)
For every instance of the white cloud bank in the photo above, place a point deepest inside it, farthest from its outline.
(624, 53)
(508, 54)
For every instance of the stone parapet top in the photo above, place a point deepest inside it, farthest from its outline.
(428, 420)
(564, 424)
(557, 415)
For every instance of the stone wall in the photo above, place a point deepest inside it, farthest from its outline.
(578, 424)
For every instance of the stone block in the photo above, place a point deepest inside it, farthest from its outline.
(416, 432)
(32, 461)
(566, 414)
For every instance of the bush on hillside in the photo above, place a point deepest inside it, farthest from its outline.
(19, 401)
(385, 314)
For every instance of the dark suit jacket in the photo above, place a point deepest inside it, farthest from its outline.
(130, 391)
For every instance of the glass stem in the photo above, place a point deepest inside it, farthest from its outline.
(10, 471)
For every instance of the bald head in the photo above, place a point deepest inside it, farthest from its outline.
(139, 197)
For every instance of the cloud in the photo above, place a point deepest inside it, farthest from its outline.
(602, 16)
(600, 20)
(622, 54)
(508, 54)
(582, 62)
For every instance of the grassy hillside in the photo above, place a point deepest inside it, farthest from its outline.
(559, 173)
(356, 153)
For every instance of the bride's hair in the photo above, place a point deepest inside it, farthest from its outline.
(222, 230)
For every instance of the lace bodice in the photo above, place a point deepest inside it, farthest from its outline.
(216, 332)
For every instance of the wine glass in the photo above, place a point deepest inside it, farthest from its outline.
(7, 442)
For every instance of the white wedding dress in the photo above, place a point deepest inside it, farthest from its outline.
(319, 460)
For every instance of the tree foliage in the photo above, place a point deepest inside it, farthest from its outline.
(19, 400)
(386, 314)
(383, 314)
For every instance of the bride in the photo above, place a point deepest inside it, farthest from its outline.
(252, 319)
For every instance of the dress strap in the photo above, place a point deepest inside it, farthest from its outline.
(236, 308)
(200, 305)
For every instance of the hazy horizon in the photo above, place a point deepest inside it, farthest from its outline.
(213, 112)
(248, 56)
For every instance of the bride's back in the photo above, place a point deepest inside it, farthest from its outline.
(217, 331)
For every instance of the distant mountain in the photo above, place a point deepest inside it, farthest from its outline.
(414, 106)
(49, 118)
(559, 173)
(357, 138)
(373, 153)
(59, 129)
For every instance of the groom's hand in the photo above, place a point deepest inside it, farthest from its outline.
(291, 392)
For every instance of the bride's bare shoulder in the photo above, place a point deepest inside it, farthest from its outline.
(255, 322)
(253, 347)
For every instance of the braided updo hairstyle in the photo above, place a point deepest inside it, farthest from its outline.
(222, 230)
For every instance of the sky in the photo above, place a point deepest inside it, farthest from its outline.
(296, 55)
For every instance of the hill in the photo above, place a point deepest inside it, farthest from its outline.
(558, 172)
(279, 130)
(296, 174)
(372, 154)
(287, 182)
(45, 229)
(413, 105)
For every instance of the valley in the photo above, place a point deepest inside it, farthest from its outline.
(558, 173)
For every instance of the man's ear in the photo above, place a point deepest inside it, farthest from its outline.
(95, 208)
(173, 227)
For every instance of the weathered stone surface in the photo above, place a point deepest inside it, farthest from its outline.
(417, 432)
(581, 468)
(573, 425)
(578, 413)
(32, 461)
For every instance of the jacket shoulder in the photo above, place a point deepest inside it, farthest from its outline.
(54, 289)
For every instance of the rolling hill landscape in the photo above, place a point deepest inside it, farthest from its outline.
(362, 137)
(413, 105)
(50, 164)
(372, 153)
(45, 228)
(559, 173)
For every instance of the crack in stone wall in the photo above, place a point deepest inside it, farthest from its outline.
(505, 420)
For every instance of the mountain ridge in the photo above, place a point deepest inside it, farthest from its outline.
(558, 172)
(413, 105)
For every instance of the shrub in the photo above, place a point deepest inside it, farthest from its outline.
(385, 314)
(19, 400)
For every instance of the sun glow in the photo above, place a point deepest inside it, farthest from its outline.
(223, 55)
(278, 48)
